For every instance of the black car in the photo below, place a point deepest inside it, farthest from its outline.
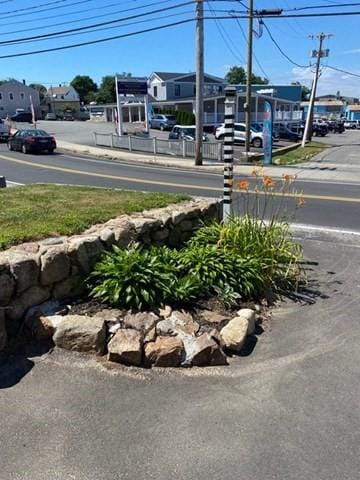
(22, 117)
(286, 134)
(32, 140)
(320, 129)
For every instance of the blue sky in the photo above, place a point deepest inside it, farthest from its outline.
(173, 49)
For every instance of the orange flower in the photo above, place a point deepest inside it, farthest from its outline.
(256, 171)
(287, 178)
(244, 184)
(268, 182)
(301, 201)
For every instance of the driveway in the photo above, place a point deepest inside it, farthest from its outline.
(290, 410)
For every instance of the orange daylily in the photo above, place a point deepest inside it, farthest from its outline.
(243, 184)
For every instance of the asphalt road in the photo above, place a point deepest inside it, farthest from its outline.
(327, 204)
(288, 411)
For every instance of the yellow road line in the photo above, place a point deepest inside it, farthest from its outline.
(173, 184)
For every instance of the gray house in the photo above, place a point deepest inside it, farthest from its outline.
(164, 86)
(16, 95)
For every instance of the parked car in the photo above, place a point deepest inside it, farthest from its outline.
(350, 124)
(336, 126)
(256, 138)
(320, 129)
(4, 131)
(185, 132)
(287, 134)
(32, 140)
(22, 117)
(163, 122)
(50, 116)
(68, 116)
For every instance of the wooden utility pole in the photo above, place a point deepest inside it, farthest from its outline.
(248, 76)
(199, 101)
(319, 54)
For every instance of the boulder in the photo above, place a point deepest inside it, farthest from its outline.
(7, 288)
(24, 268)
(142, 321)
(68, 288)
(107, 236)
(165, 312)
(179, 323)
(144, 225)
(233, 335)
(164, 352)
(31, 297)
(203, 351)
(55, 266)
(250, 316)
(160, 235)
(44, 327)
(126, 347)
(3, 333)
(84, 251)
(81, 333)
(212, 317)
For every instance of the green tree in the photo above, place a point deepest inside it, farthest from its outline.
(84, 85)
(106, 93)
(40, 88)
(237, 75)
(305, 91)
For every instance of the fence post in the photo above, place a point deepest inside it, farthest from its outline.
(130, 146)
(230, 93)
(155, 145)
(219, 152)
(111, 140)
(184, 147)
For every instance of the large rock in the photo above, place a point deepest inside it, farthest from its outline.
(84, 251)
(179, 323)
(81, 333)
(55, 266)
(3, 333)
(250, 316)
(126, 347)
(164, 352)
(24, 268)
(44, 327)
(203, 351)
(213, 317)
(7, 288)
(68, 288)
(143, 321)
(233, 335)
(31, 297)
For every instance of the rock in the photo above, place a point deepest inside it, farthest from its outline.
(81, 333)
(144, 225)
(7, 288)
(44, 327)
(150, 336)
(250, 316)
(84, 251)
(160, 235)
(165, 312)
(110, 315)
(31, 297)
(3, 333)
(68, 288)
(55, 266)
(164, 352)
(143, 321)
(25, 269)
(126, 347)
(107, 236)
(178, 323)
(233, 335)
(186, 226)
(210, 316)
(203, 351)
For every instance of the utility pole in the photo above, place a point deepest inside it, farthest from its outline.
(319, 54)
(248, 76)
(199, 100)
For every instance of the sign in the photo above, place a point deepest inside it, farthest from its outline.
(267, 132)
(131, 86)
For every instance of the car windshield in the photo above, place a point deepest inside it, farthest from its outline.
(255, 127)
(37, 133)
(171, 117)
(189, 131)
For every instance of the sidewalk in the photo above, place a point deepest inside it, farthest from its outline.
(317, 169)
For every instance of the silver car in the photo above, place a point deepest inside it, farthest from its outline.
(163, 122)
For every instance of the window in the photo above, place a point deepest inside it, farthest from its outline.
(155, 92)
(0, 96)
(177, 91)
(22, 95)
(62, 97)
(11, 96)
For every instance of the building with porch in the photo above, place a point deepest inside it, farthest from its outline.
(352, 112)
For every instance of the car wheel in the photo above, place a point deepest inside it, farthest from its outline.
(221, 137)
(162, 128)
(24, 149)
(257, 143)
(51, 150)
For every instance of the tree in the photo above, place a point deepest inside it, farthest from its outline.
(84, 85)
(106, 93)
(237, 75)
(40, 88)
(305, 91)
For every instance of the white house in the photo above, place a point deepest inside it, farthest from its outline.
(16, 95)
(62, 98)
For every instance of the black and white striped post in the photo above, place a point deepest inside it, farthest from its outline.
(230, 95)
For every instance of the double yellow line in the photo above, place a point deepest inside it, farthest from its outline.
(171, 184)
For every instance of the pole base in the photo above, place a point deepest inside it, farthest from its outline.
(2, 182)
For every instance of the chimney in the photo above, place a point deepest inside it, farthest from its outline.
(24, 82)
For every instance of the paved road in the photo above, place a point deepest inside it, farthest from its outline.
(328, 204)
(288, 411)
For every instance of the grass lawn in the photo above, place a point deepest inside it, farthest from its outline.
(300, 154)
(33, 212)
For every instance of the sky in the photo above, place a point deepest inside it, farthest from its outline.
(172, 49)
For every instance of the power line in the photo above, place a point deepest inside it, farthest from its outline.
(15, 13)
(343, 71)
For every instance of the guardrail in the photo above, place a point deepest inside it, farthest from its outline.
(177, 148)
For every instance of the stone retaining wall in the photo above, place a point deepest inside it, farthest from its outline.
(34, 272)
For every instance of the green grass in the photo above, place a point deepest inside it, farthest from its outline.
(34, 212)
(300, 154)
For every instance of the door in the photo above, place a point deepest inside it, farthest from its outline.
(239, 133)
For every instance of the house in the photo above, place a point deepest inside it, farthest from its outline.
(16, 95)
(328, 108)
(352, 112)
(61, 98)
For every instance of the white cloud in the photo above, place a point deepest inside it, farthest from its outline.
(330, 81)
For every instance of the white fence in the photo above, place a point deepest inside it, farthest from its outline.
(177, 148)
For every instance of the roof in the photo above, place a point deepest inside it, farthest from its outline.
(59, 90)
(354, 108)
(325, 103)
(170, 75)
(189, 76)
